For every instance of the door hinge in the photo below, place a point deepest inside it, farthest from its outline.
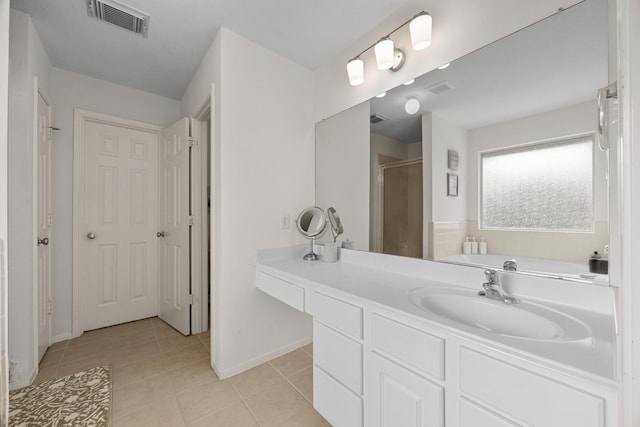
(50, 308)
(191, 220)
(190, 299)
(192, 142)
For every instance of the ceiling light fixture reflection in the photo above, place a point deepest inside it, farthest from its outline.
(410, 82)
(442, 67)
(412, 106)
(381, 95)
(388, 57)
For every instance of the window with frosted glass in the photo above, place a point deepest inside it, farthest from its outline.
(539, 187)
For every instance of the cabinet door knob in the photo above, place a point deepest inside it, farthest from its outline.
(160, 234)
(44, 241)
(91, 236)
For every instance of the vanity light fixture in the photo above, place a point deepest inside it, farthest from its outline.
(420, 29)
(388, 57)
(355, 69)
(412, 106)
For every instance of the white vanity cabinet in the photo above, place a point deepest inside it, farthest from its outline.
(500, 390)
(338, 385)
(406, 370)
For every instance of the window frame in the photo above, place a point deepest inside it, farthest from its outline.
(523, 146)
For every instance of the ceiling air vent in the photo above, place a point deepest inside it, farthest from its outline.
(440, 87)
(377, 118)
(119, 14)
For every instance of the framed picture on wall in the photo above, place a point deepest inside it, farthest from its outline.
(452, 184)
(452, 159)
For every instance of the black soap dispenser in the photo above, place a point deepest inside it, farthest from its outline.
(597, 264)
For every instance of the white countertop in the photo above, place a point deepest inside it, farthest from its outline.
(386, 280)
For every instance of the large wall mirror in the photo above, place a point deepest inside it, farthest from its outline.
(501, 149)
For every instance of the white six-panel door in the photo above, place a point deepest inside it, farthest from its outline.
(43, 217)
(174, 229)
(120, 221)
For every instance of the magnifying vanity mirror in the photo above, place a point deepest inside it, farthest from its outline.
(312, 224)
(417, 185)
(336, 224)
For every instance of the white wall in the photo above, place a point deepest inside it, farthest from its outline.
(446, 136)
(342, 171)
(27, 59)
(263, 168)
(72, 90)
(459, 27)
(4, 102)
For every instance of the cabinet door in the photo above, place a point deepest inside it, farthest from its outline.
(402, 398)
(475, 415)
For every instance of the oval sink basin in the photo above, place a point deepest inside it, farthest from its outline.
(524, 320)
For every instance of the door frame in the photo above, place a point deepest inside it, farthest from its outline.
(79, 118)
(201, 119)
(37, 92)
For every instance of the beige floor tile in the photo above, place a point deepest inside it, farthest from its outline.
(308, 349)
(305, 416)
(292, 363)
(46, 373)
(62, 345)
(165, 413)
(257, 380)
(192, 375)
(135, 396)
(162, 329)
(206, 399)
(144, 336)
(280, 403)
(52, 357)
(68, 368)
(176, 342)
(137, 371)
(86, 351)
(91, 337)
(134, 352)
(236, 415)
(127, 328)
(303, 382)
(177, 358)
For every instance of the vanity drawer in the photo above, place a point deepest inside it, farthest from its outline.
(412, 347)
(286, 292)
(339, 314)
(339, 356)
(527, 396)
(339, 406)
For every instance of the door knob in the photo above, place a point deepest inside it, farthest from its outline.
(44, 241)
(160, 234)
(91, 236)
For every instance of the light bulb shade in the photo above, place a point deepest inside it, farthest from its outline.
(355, 70)
(412, 106)
(420, 29)
(384, 54)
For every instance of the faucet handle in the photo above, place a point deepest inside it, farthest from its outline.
(491, 275)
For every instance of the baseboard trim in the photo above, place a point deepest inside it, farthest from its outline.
(226, 373)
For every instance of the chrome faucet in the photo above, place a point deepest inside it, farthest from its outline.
(510, 265)
(493, 288)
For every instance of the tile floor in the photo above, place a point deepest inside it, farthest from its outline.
(162, 378)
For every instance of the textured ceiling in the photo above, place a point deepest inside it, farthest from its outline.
(180, 32)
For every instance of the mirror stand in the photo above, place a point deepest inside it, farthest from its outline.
(311, 256)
